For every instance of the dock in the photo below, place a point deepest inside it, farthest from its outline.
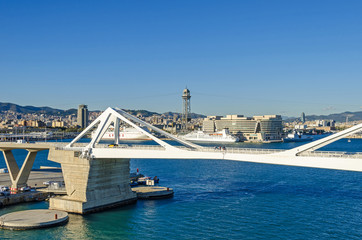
(153, 192)
(39, 191)
(31, 219)
(23, 197)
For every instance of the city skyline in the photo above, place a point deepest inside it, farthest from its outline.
(251, 58)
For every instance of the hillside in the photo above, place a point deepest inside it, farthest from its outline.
(31, 109)
(338, 117)
(193, 115)
(53, 111)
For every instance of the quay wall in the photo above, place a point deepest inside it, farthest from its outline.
(23, 197)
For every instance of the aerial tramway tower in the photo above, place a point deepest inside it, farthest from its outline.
(186, 110)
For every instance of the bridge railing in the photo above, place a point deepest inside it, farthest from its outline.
(139, 147)
(269, 151)
(327, 154)
(110, 146)
(235, 150)
(331, 154)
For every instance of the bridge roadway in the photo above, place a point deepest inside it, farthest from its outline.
(38, 146)
(19, 176)
(316, 159)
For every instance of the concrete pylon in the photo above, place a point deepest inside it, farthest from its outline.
(92, 184)
(19, 177)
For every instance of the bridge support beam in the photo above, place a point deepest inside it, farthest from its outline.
(92, 184)
(19, 177)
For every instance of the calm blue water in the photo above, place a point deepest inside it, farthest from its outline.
(225, 200)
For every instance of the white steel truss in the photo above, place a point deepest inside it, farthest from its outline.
(303, 156)
(116, 117)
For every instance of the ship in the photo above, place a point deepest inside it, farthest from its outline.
(297, 137)
(125, 134)
(223, 136)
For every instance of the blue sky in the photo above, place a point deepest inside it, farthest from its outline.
(236, 57)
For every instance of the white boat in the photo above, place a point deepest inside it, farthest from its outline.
(125, 134)
(221, 136)
(297, 137)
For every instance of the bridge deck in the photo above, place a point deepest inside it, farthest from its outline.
(233, 150)
(30, 146)
(228, 150)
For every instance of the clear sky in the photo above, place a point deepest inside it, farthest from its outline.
(236, 57)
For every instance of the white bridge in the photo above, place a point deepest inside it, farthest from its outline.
(302, 156)
(96, 175)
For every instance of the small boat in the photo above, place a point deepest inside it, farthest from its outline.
(296, 136)
(143, 180)
(133, 183)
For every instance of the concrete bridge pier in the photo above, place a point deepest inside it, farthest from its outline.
(19, 177)
(92, 184)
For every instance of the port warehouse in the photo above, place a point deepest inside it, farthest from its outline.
(256, 128)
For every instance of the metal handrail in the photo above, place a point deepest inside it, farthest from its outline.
(216, 149)
(235, 150)
(332, 154)
(124, 146)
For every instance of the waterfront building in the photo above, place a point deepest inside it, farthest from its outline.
(267, 128)
(83, 116)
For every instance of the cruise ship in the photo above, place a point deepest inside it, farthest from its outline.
(125, 134)
(223, 136)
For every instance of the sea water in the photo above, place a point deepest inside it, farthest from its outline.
(219, 199)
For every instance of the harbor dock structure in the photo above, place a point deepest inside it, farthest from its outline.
(31, 219)
(38, 192)
(153, 192)
(18, 198)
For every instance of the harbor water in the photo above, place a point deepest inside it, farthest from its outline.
(218, 199)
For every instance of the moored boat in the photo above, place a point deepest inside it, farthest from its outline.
(297, 137)
(221, 136)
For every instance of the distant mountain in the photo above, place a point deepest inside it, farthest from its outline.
(31, 109)
(193, 115)
(338, 117)
(144, 113)
(53, 111)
